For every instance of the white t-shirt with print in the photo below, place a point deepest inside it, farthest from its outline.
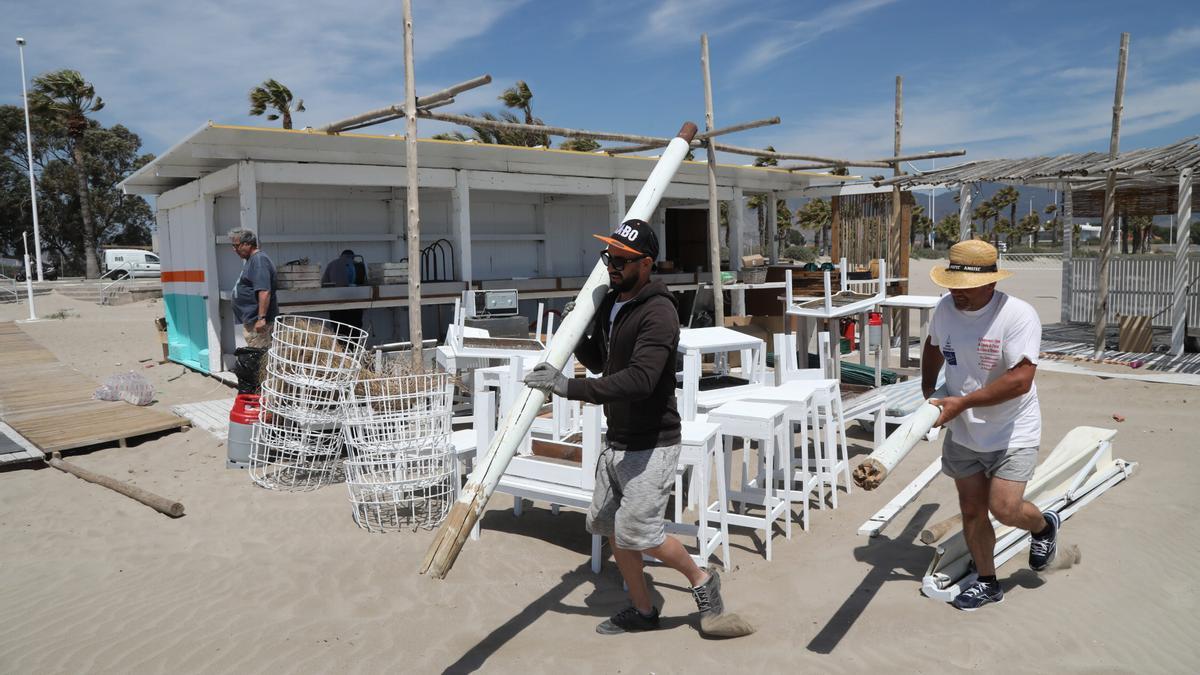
(979, 347)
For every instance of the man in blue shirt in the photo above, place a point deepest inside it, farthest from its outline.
(254, 303)
(345, 270)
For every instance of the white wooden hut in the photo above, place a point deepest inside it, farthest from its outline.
(507, 217)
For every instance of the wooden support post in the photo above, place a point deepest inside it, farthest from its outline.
(896, 248)
(964, 211)
(399, 248)
(714, 212)
(460, 223)
(659, 224)
(616, 205)
(772, 247)
(1110, 197)
(212, 298)
(737, 229)
(415, 335)
(1066, 222)
(1183, 220)
(834, 245)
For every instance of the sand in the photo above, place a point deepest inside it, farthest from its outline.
(256, 581)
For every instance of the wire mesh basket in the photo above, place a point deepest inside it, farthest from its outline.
(315, 352)
(404, 413)
(303, 403)
(753, 275)
(392, 491)
(290, 456)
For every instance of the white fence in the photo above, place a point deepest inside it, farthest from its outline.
(1137, 285)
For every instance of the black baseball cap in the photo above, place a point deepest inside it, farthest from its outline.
(634, 236)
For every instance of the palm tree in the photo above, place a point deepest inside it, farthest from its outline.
(519, 97)
(580, 144)
(1052, 225)
(272, 94)
(66, 98)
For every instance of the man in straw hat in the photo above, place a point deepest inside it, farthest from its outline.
(632, 346)
(989, 343)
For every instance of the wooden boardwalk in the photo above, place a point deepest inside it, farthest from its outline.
(51, 404)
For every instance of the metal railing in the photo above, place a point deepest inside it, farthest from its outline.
(119, 283)
(8, 287)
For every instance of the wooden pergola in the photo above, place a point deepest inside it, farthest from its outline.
(1149, 181)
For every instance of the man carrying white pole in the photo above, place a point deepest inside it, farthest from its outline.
(632, 344)
(989, 342)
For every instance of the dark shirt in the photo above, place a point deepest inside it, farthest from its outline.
(635, 354)
(258, 274)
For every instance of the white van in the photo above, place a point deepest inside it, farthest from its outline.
(119, 262)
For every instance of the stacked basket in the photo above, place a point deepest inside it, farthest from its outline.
(297, 442)
(400, 469)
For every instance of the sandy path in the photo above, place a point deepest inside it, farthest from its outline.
(256, 581)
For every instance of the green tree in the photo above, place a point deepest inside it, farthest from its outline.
(1029, 226)
(766, 161)
(112, 154)
(580, 144)
(946, 230)
(517, 97)
(520, 97)
(1051, 225)
(271, 94)
(66, 98)
(1007, 197)
(921, 225)
(817, 215)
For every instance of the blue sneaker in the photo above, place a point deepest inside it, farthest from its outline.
(978, 594)
(1043, 547)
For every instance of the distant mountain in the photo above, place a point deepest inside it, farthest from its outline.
(944, 200)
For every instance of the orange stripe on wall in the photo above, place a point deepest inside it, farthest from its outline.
(183, 275)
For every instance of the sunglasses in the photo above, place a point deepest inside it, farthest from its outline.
(616, 262)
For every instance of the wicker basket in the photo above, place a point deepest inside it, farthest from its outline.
(753, 275)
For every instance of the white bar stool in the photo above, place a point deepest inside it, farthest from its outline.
(767, 424)
(797, 396)
(702, 452)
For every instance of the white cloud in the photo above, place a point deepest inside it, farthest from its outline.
(1177, 42)
(792, 35)
(165, 67)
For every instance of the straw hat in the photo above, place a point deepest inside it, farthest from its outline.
(972, 264)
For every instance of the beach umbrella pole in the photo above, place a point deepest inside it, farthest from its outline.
(483, 480)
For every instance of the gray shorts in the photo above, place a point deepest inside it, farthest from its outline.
(1015, 464)
(630, 500)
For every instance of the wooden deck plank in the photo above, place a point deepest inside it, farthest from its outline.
(51, 405)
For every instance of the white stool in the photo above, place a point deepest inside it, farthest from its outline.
(765, 423)
(797, 396)
(701, 452)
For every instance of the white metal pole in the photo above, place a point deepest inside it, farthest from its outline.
(37, 237)
(28, 278)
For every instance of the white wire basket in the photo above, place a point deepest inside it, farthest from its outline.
(289, 456)
(302, 403)
(409, 414)
(315, 352)
(399, 491)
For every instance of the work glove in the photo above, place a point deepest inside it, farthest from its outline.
(567, 309)
(547, 378)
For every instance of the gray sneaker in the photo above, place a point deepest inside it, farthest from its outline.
(714, 620)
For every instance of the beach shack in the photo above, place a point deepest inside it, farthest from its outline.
(492, 216)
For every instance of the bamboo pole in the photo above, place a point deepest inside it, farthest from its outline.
(895, 235)
(877, 163)
(473, 498)
(934, 533)
(1066, 219)
(1183, 221)
(743, 126)
(1110, 197)
(964, 211)
(160, 504)
(397, 111)
(414, 213)
(468, 121)
(714, 209)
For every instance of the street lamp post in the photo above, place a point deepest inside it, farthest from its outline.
(37, 237)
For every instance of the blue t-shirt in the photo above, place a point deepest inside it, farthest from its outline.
(258, 274)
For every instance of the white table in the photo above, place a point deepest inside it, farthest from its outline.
(694, 343)
(924, 303)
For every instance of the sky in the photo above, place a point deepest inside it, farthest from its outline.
(999, 79)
